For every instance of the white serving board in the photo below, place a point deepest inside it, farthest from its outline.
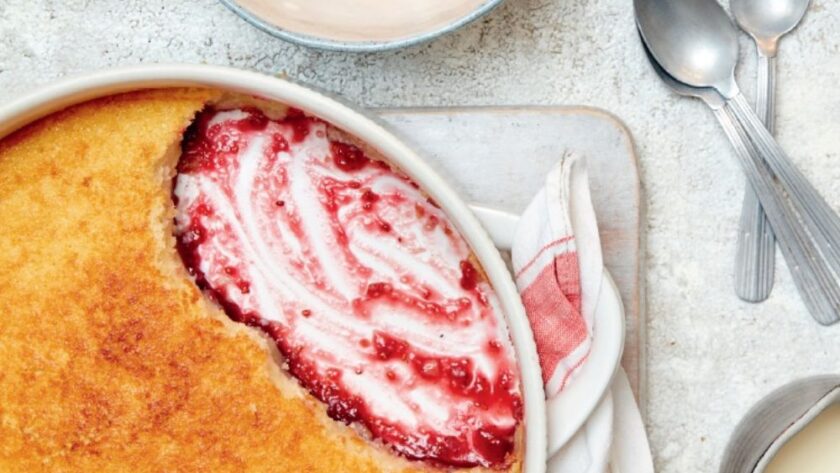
(498, 157)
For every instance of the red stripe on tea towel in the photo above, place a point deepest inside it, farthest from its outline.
(542, 250)
(552, 302)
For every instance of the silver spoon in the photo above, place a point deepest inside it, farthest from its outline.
(695, 43)
(780, 212)
(766, 21)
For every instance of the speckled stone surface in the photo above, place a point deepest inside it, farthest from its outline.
(710, 356)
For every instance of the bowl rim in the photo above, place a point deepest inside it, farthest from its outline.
(830, 399)
(774, 419)
(67, 92)
(357, 46)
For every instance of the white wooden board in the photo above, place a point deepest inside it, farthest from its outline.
(499, 157)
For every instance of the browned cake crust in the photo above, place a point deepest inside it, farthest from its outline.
(110, 357)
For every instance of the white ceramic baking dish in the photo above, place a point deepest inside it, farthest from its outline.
(60, 95)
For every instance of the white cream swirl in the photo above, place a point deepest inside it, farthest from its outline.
(363, 282)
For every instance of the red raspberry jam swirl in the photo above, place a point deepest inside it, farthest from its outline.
(358, 277)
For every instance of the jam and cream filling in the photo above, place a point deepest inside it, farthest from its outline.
(367, 289)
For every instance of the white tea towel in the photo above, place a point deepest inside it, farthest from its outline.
(559, 269)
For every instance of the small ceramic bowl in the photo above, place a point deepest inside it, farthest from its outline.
(775, 420)
(359, 25)
(68, 92)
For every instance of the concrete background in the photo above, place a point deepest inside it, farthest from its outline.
(710, 355)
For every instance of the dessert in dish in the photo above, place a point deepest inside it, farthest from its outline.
(370, 294)
(115, 351)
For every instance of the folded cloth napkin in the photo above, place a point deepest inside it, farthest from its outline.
(559, 270)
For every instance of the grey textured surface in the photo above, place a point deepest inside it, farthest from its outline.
(710, 355)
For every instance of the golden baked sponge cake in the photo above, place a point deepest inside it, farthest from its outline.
(126, 342)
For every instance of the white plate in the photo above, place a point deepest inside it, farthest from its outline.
(568, 411)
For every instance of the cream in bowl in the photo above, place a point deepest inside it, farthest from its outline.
(812, 450)
(359, 24)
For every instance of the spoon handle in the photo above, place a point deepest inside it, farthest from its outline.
(756, 247)
(755, 256)
(809, 271)
(808, 230)
(819, 215)
(765, 102)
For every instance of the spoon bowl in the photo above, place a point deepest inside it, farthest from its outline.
(693, 40)
(768, 20)
(706, 94)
